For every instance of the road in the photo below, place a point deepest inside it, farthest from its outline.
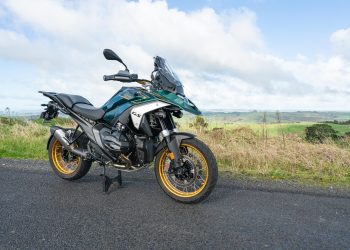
(40, 211)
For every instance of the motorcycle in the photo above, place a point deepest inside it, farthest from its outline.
(133, 129)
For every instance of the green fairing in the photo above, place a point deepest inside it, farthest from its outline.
(176, 100)
(122, 100)
(128, 97)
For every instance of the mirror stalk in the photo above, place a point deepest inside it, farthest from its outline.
(126, 68)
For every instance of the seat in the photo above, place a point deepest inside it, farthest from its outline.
(70, 100)
(81, 106)
(89, 111)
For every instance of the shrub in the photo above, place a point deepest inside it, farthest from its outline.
(319, 133)
(199, 123)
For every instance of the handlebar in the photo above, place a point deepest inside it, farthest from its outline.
(121, 77)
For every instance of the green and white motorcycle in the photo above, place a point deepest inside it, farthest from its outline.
(130, 131)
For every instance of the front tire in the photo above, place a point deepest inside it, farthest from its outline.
(66, 165)
(200, 176)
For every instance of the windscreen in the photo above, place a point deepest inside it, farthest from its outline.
(167, 78)
(168, 68)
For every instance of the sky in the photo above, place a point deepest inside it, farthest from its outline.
(244, 54)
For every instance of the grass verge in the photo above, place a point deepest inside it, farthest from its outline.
(240, 150)
(23, 139)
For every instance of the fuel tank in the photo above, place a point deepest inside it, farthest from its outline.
(123, 100)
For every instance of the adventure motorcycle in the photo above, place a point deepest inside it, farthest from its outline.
(132, 130)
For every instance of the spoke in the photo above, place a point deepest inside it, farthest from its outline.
(178, 186)
(196, 166)
(198, 162)
(200, 178)
(174, 182)
(63, 164)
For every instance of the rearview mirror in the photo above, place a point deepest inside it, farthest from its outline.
(111, 55)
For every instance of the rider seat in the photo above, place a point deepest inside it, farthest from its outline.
(81, 106)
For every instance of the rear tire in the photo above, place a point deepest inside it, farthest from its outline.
(73, 169)
(202, 177)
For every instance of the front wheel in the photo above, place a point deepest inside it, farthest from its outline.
(198, 177)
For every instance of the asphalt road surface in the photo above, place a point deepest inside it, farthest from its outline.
(40, 211)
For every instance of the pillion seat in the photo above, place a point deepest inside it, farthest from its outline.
(81, 106)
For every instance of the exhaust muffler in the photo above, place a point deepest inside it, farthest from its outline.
(60, 135)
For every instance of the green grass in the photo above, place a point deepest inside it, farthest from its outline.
(26, 140)
(239, 148)
(27, 145)
(326, 178)
(299, 128)
(274, 129)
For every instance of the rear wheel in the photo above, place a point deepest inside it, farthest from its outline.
(198, 176)
(65, 164)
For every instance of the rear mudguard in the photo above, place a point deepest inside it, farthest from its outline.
(177, 136)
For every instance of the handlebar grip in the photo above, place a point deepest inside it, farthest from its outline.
(121, 78)
(108, 78)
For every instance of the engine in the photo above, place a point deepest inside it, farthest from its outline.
(131, 149)
(117, 139)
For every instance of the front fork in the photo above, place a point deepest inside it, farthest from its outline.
(174, 148)
(173, 139)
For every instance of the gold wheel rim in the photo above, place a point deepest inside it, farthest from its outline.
(60, 164)
(169, 184)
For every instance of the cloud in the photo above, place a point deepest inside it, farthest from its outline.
(221, 57)
(341, 41)
(2, 13)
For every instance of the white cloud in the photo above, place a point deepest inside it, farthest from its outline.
(221, 57)
(341, 41)
(2, 12)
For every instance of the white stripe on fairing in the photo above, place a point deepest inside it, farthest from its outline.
(138, 112)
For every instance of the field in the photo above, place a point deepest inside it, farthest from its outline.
(24, 139)
(254, 150)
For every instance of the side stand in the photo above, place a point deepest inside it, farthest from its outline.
(107, 181)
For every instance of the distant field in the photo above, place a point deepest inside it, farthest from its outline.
(289, 122)
(274, 129)
(248, 116)
(240, 148)
(271, 117)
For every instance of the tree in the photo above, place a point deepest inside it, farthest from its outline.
(319, 133)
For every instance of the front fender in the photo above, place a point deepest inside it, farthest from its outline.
(178, 136)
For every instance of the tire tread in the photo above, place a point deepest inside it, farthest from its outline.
(213, 177)
(82, 170)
